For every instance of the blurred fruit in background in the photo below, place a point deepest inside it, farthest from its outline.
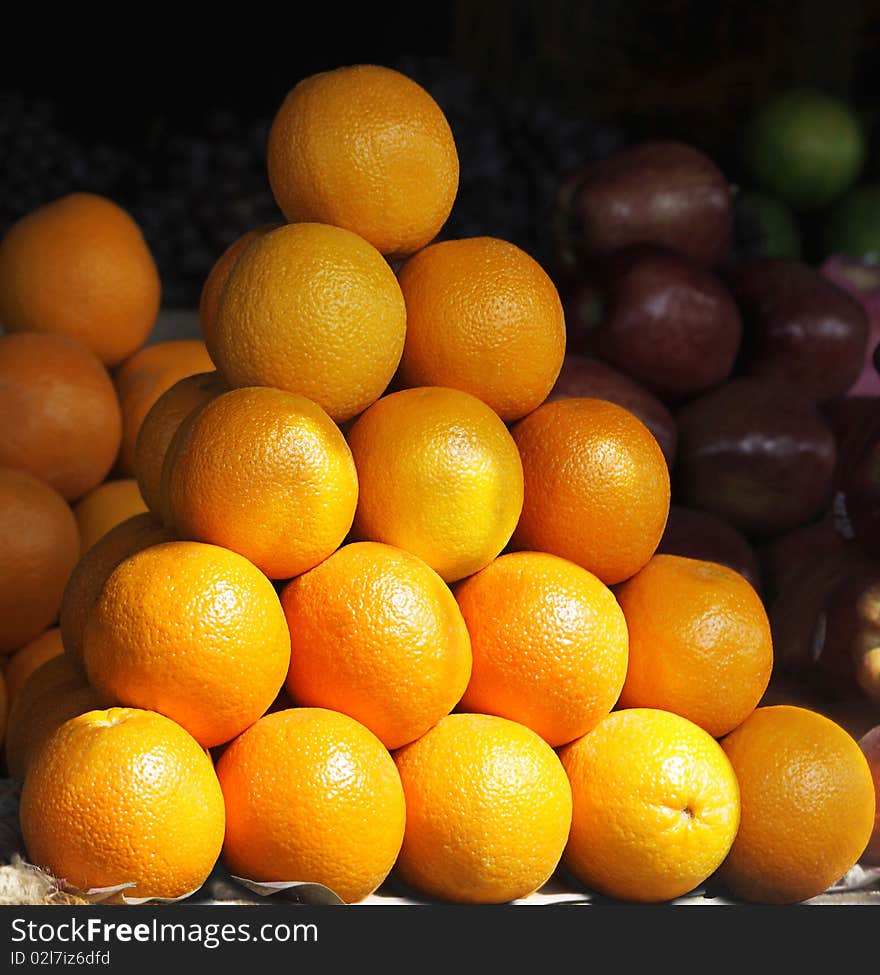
(21, 664)
(764, 226)
(55, 691)
(852, 224)
(59, 416)
(142, 379)
(790, 551)
(81, 267)
(805, 146)
(664, 320)
(161, 424)
(106, 506)
(855, 422)
(798, 617)
(861, 278)
(40, 544)
(757, 453)
(654, 192)
(870, 745)
(852, 629)
(798, 327)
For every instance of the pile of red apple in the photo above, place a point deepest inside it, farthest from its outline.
(757, 376)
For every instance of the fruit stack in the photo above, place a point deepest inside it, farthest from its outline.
(393, 610)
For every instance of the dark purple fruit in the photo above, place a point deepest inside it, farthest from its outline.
(787, 554)
(757, 453)
(798, 327)
(665, 321)
(657, 192)
(699, 535)
(855, 422)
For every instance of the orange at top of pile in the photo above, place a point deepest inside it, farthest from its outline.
(398, 594)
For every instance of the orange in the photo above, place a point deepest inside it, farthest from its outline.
(215, 282)
(21, 664)
(807, 805)
(365, 148)
(265, 473)
(192, 631)
(439, 476)
(699, 642)
(94, 568)
(142, 379)
(160, 425)
(488, 809)
(311, 795)
(40, 545)
(54, 692)
(596, 486)
(315, 310)
(482, 316)
(549, 644)
(656, 806)
(376, 633)
(80, 266)
(59, 417)
(104, 507)
(124, 796)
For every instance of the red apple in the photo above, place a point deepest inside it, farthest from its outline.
(788, 553)
(757, 453)
(862, 280)
(852, 628)
(825, 621)
(798, 327)
(656, 192)
(855, 421)
(870, 745)
(798, 614)
(664, 320)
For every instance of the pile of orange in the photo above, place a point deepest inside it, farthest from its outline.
(357, 602)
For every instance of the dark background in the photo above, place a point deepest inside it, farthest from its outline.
(168, 116)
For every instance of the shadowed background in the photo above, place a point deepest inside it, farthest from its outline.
(172, 122)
